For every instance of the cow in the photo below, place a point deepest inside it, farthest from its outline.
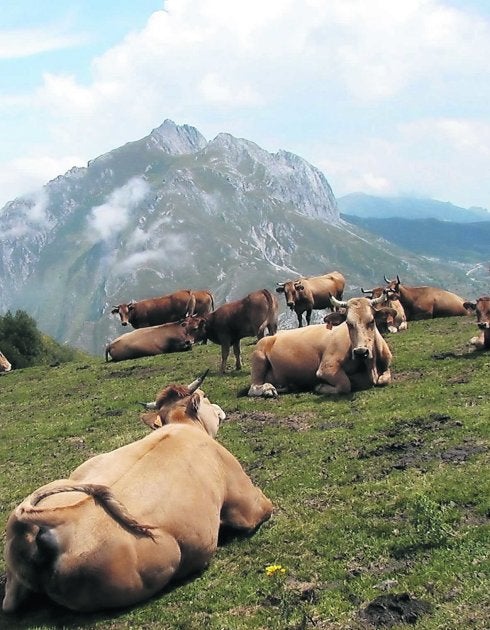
(162, 339)
(171, 406)
(5, 365)
(126, 523)
(352, 355)
(482, 309)
(384, 316)
(247, 317)
(427, 302)
(393, 301)
(164, 309)
(313, 292)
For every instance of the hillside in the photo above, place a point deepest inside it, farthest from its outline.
(370, 206)
(379, 493)
(174, 210)
(462, 242)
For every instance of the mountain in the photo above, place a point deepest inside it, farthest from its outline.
(174, 210)
(362, 205)
(463, 242)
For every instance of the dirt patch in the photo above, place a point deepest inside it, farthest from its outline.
(407, 376)
(133, 370)
(388, 610)
(251, 421)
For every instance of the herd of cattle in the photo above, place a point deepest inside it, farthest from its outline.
(126, 523)
(346, 351)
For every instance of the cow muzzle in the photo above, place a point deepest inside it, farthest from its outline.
(124, 323)
(291, 305)
(483, 325)
(361, 352)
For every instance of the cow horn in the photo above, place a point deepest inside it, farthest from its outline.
(379, 300)
(366, 290)
(280, 284)
(149, 406)
(197, 383)
(398, 278)
(386, 279)
(337, 303)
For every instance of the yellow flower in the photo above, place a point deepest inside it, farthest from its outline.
(272, 569)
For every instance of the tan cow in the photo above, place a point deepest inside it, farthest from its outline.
(153, 340)
(164, 309)
(482, 309)
(250, 316)
(126, 523)
(427, 302)
(5, 365)
(352, 355)
(393, 301)
(313, 292)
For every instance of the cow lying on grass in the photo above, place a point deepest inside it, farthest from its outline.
(352, 355)
(5, 365)
(482, 309)
(153, 340)
(126, 523)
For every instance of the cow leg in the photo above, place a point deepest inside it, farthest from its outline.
(308, 316)
(15, 594)
(225, 351)
(335, 380)
(300, 319)
(236, 351)
(245, 506)
(478, 342)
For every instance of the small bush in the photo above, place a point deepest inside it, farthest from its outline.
(25, 345)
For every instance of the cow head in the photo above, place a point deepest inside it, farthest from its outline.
(394, 285)
(482, 309)
(124, 310)
(195, 328)
(361, 323)
(5, 365)
(186, 404)
(292, 290)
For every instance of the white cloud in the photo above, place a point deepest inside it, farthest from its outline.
(112, 217)
(19, 43)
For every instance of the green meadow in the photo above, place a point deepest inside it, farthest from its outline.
(384, 492)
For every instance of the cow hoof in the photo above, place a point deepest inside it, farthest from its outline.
(266, 391)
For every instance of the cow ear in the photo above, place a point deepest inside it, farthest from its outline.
(152, 420)
(115, 310)
(280, 289)
(193, 405)
(299, 287)
(471, 306)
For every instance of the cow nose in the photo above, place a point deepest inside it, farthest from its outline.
(124, 323)
(361, 353)
(483, 325)
(290, 304)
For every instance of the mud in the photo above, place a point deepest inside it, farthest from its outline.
(251, 421)
(388, 610)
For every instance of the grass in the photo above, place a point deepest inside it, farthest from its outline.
(381, 492)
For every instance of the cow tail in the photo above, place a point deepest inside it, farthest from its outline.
(107, 353)
(191, 305)
(101, 494)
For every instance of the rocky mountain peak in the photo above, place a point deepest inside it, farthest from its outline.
(177, 139)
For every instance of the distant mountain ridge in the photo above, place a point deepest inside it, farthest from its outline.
(370, 206)
(174, 210)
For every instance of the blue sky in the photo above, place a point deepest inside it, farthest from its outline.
(388, 98)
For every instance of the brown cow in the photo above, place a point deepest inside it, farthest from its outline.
(172, 337)
(126, 523)
(482, 308)
(352, 355)
(313, 292)
(248, 317)
(164, 309)
(393, 301)
(5, 365)
(427, 302)
(384, 316)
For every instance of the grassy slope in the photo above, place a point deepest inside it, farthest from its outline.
(384, 489)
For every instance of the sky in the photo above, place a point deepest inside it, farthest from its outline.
(385, 97)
